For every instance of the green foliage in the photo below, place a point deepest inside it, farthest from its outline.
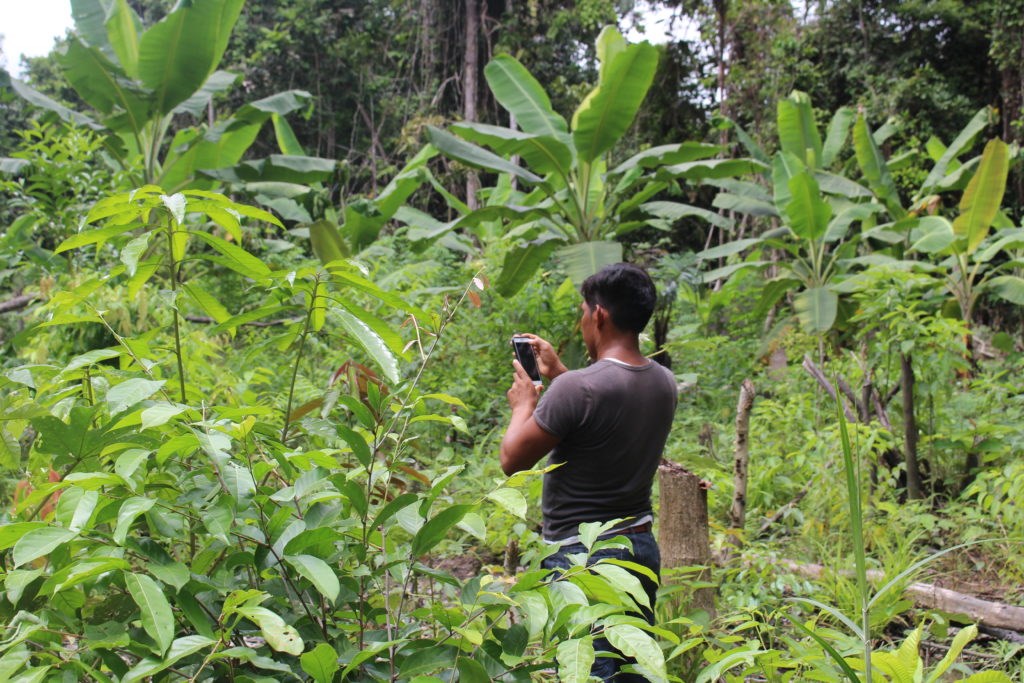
(137, 80)
(579, 203)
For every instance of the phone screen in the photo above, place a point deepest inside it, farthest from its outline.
(524, 354)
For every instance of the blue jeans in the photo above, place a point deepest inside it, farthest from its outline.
(646, 553)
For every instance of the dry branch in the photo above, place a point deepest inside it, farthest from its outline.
(816, 372)
(17, 303)
(741, 458)
(996, 615)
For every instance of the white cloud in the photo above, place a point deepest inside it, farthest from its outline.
(29, 28)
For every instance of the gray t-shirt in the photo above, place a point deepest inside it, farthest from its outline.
(613, 420)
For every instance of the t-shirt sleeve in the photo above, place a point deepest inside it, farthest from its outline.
(563, 406)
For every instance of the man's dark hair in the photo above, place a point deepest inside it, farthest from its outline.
(625, 291)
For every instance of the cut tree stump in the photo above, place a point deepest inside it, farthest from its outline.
(683, 534)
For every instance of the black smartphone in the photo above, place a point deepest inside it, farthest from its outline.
(526, 358)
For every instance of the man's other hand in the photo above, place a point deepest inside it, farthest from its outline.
(522, 395)
(548, 362)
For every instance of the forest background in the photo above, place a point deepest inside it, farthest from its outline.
(255, 323)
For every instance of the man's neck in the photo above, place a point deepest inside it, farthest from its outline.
(623, 350)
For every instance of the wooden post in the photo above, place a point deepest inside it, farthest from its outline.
(683, 529)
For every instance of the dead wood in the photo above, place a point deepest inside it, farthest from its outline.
(741, 458)
(996, 615)
(17, 303)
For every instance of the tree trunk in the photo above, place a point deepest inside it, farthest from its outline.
(470, 81)
(683, 528)
(741, 458)
(910, 431)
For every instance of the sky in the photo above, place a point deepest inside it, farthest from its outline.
(29, 27)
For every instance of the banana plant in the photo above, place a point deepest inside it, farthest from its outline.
(136, 81)
(974, 261)
(574, 200)
(977, 262)
(812, 206)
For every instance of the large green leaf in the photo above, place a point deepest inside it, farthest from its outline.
(1008, 287)
(873, 166)
(633, 642)
(816, 307)
(321, 663)
(431, 533)
(664, 155)
(807, 213)
(371, 342)
(518, 91)
(178, 54)
(39, 542)
(543, 153)
(317, 572)
(38, 99)
(798, 134)
(235, 258)
(123, 27)
(477, 157)
(180, 648)
(586, 258)
(984, 194)
(157, 618)
(197, 103)
(90, 22)
(521, 262)
(575, 657)
(838, 130)
(104, 85)
(607, 112)
(975, 127)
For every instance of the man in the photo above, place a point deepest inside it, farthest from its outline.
(605, 424)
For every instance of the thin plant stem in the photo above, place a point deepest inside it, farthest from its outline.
(174, 310)
(857, 533)
(298, 358)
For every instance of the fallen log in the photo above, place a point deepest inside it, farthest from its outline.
(17, 303)
(995, 615)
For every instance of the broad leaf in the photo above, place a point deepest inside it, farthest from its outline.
(873, 166)
(180, 648)
(980, 202)
(1008, 287)
(575, 657)
(321, 663)
(807, 213)
(518, 91)
(477, 157)
(39, 542)
(608, 111)
(157, 618)
(126, 516)
(838, 130)
(317, 572)
(798, 134)
(431, 533)
(131, 391)
(633, 642)
(521, 262)
(975, 127)
(178, 54)
(816, 307)
(584, 259)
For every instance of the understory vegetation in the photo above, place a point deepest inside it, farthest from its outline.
(259, 268)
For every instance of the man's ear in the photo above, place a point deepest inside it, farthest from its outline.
(600, 315)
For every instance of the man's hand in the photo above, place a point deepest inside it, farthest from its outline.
(548, 362)
(522, 395)
(524, 443)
